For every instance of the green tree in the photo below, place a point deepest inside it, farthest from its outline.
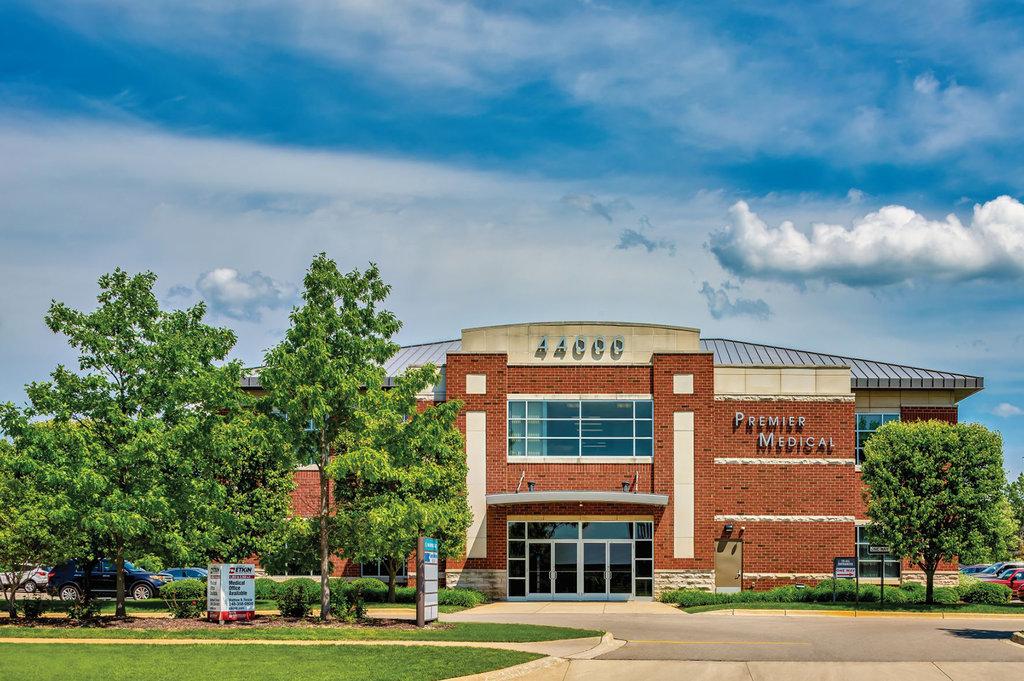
(1015, 497)
(326, 371)
(34, 511)
(406, 476)
(148, 393)
(934, 490)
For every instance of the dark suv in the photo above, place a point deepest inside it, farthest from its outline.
(67, 583)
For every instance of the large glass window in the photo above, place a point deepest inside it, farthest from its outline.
(580, 428)
(867, 424)
(869, 566)
(379, 570)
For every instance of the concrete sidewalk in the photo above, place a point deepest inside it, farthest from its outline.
(665, 670)
(574, 608)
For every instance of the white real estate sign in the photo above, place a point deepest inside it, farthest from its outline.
(231, 591)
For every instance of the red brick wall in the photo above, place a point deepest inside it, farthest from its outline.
(947, 414)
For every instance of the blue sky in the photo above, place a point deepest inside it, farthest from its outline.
(834, 176)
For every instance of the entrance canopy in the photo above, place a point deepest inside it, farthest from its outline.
(576, 496)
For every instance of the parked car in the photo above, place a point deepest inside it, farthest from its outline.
(37, 576)
(184, 573)
(990, 571)
(67, 583)
(973, 569)
(1001, 573)
(1013, 578)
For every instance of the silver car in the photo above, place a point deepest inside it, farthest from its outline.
(34, 578)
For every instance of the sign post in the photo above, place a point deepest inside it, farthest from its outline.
(843, 568)
(882, 551)
(230, 592)
(426, 580)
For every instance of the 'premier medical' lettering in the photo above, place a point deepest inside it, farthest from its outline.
(780, 441)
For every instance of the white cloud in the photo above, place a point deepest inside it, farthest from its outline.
(892, 245)
(242, 296)
(1007, 410)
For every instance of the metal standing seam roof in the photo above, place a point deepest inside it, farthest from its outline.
(864, 373)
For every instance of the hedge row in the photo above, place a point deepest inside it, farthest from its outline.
(372, 591)
(846, 592)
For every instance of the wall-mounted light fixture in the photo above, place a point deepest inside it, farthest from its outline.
(531, 486)
(625, 486)
(728, 528)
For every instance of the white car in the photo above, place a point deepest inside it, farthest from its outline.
(35, 578)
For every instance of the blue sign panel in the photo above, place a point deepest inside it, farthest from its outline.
(430, 545)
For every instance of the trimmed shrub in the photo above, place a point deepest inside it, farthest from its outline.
(32, 608)
(869, 593)
(988, 593)
(965, 583)
(467, 598)
(186, 598)
(309, 587)
(293, 598)
(372, 590)
(690, 598)
(946, 595)
(784, 594)
(896, 596)
(266, 589)
(846, 590)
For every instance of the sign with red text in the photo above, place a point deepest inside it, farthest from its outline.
(231, 592)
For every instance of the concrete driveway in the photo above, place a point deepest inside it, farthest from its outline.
(666, 633)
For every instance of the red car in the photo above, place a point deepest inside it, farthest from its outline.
(1014, 580)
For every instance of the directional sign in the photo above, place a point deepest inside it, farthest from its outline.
(879, 550)
(844, 568)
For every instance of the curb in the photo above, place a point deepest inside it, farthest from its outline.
(607, 644)
(516, 671)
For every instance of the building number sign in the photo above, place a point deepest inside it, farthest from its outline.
(578, 345)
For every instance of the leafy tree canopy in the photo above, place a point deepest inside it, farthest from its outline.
(934, 490)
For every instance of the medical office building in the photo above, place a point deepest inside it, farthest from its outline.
(615, 461)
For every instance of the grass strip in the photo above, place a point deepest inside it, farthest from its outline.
(243, 663)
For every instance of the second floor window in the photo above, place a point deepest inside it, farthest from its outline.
(867, 424)
(580, 428)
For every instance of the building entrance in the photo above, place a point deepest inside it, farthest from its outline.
(592, 561)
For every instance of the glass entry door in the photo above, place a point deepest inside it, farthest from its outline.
(540, 568)
(607, 570)
(565, 571)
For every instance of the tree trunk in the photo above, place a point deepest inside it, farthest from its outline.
(119, 566)
(325, 545)
(12, 607)
(929, 573)
(392, 572)
(87, 580)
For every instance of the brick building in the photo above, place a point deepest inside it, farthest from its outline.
(614, 461)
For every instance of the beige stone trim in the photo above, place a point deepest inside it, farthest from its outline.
(579, 518)
(783, 461)
(784, 398)
(476, 384)
(682, 384)
(787, 575)
(682, 485)
(640, 342)
(769, 380)
(784, 519)
(879, 401)
(476, 482)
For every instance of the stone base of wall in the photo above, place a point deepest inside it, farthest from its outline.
(491, 582)
(667, 580)
(941, 578)
(763, 581)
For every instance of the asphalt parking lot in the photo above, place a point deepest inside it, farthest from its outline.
(714, 636)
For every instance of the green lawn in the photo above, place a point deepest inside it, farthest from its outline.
(45, 662)
(1010, 609)
(458, 631)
